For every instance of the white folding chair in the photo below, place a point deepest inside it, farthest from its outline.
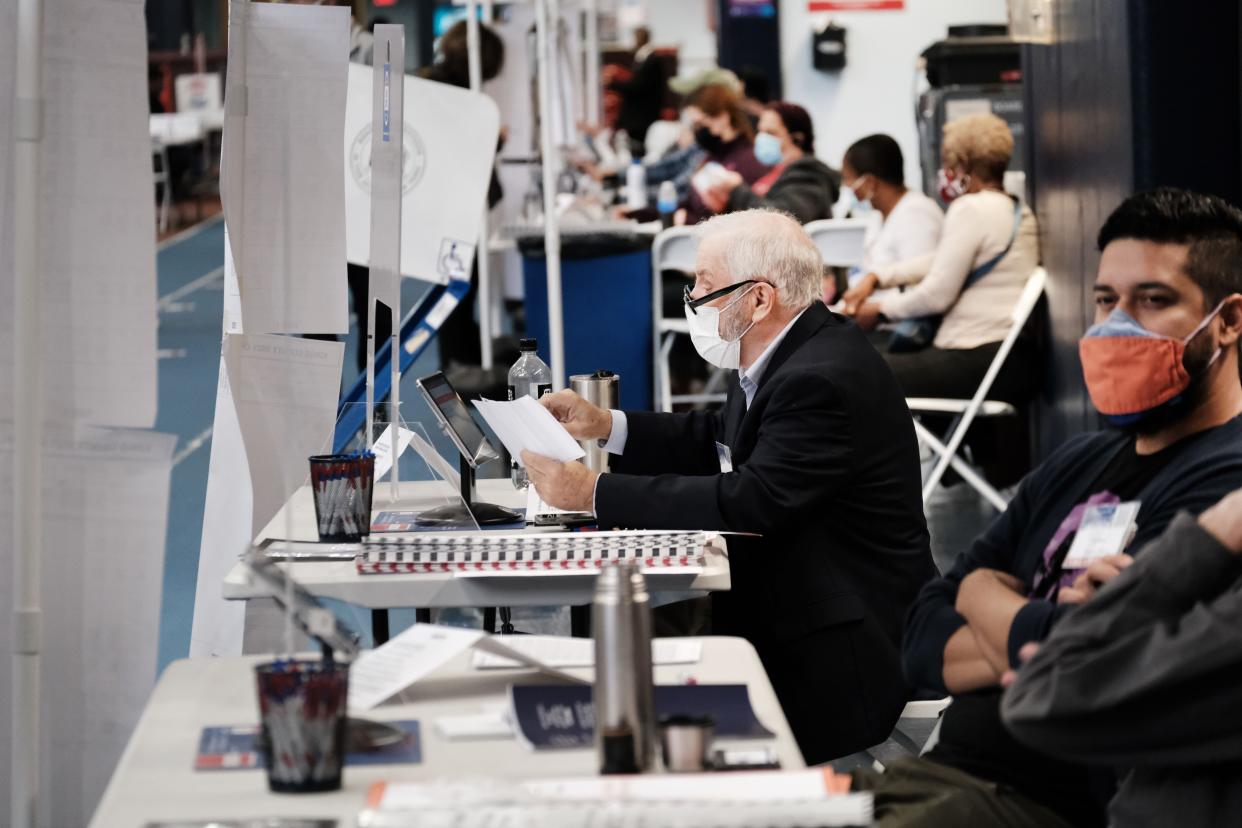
(920, 712)
(916, 732)
(977, 406)
(840, 241)
(163, 181)
(674, 249)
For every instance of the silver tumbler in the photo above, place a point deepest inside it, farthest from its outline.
(625, 721)
(603, 388)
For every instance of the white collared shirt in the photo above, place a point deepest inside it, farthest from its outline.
(748, 377)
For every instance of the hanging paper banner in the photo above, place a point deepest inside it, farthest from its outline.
(855, 5)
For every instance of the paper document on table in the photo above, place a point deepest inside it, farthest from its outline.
(525, 425)
(388, 669)
(560, 651)
(817, 796)
(383, 449)
(536, 507)
(491, 722)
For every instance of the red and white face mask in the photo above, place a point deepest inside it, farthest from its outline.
(1130, 371)
(951, 185)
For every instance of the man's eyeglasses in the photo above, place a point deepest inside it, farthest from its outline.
(695, 304)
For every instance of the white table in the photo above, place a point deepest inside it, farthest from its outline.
(155, 779)
(340, 579)
(177, 128)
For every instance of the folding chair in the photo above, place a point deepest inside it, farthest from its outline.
(840, 241)
(920, 712)
(163, 181)
(977, 406)
(674, 249)
(916, 732)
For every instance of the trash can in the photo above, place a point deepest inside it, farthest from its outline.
(606, 299)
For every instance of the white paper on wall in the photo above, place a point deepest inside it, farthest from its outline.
(96, 195)
(281, 172)
(227, 531)
(450, 144)
(105, 508)
(232, 292)
(8, 68)
(275, 406)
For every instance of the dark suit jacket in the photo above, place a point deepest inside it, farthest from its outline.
(642, 97)
(826, 468)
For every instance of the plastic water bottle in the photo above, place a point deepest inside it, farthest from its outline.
(530, 376)
(636, 185)
(666, 202)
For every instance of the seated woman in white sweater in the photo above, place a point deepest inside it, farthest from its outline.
(979, 226)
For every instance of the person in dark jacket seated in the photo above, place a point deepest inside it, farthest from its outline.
(1145, 675)
(814, 451)
(798, 183)
(1160, 364)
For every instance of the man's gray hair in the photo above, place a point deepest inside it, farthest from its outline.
(769, 246)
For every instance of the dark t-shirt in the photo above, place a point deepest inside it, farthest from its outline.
(972, 736)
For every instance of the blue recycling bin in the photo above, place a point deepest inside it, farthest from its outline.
(606, 296)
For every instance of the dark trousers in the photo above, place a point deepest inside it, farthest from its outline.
(920, 792)
(999, 445)
(956, 372)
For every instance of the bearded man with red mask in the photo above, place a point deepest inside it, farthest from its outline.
(1161, 364)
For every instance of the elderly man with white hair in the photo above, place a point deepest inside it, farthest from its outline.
(814, 451)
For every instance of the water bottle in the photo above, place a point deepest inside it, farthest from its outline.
(529, 377)
(624, 695)
(666, 202)
(636, 185)
(621, 143)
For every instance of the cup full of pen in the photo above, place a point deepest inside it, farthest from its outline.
(302, 706)
(343, 485)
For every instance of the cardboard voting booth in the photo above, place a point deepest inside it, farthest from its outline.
(449, 145)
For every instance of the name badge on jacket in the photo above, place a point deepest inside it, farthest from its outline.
(725, 456)
(1106, 529)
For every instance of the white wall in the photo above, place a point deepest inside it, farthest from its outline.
(875, 90)
(683, 23)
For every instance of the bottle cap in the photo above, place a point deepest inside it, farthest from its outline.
(525, 345)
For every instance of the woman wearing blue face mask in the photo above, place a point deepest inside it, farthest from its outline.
(798, 183)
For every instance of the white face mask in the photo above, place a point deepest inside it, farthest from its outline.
(853, 204)
(705, 335)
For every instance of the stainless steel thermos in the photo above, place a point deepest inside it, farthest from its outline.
(603, 388)
(625, 721)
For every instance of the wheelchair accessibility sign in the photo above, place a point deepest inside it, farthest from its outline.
(455, 259)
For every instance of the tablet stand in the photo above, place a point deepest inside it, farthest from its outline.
(469, 509)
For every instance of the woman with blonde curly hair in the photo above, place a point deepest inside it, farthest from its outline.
(971, 281)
